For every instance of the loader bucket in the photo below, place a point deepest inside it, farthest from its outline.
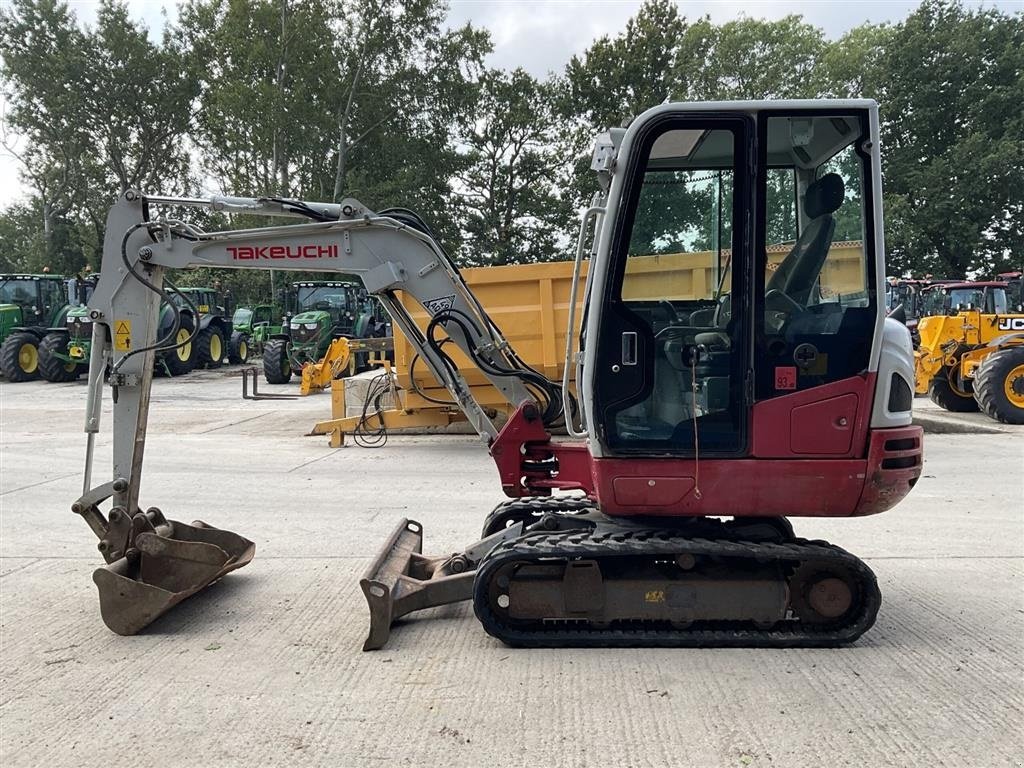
(166, 566)
(401, 580)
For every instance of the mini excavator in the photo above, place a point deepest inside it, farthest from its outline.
(757, 380)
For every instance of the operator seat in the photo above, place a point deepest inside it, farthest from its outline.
(797, 273)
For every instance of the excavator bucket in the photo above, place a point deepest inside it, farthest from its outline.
(401, 580)
(165, 566)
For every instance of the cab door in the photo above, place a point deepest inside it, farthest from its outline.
(671, 364)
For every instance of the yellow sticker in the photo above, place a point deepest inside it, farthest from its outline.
(654, 596)
(203, 309)
(122, 335)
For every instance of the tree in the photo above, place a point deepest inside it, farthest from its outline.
(853, 66)
(618, 78)
(953, 140)
(615, 80)
(267, 91)
(748, 59)
(42, 52)
(324, 100)
(28, 248)
(513, 210)
(100, 110)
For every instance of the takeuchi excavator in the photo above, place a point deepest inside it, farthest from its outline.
(712, 401)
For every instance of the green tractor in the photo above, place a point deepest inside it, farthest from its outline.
(64, 352)
(319, 313)
(217, 341)
(30, 307)
(258, 324)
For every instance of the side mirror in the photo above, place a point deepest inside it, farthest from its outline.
(899, 314)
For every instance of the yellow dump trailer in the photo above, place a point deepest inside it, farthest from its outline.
(530, 304)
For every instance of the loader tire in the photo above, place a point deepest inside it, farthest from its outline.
(210, 348)
(944, 396)
(19, 357)
(999, 385)
(51, 367)
(276, 367)
(238, 349)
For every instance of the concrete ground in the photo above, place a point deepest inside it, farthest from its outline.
(265, 668)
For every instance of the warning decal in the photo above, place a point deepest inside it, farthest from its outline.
(785, 377)
(439, 305)
(122, 335)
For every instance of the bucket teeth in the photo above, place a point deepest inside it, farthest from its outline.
(165, 568)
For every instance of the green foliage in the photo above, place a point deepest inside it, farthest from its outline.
(101, 110)
(25, 247)
(748, 59)
(323, 99)
(618, 78)
(513, 210)
(953, 140)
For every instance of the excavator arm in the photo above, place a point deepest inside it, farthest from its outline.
(153, 563)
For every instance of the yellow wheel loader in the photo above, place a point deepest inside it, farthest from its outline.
(711, 407)
(971, 355)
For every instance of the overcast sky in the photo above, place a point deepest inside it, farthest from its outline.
(541, 35)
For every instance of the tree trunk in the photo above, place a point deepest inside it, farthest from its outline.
(48, 247)
(342, 167)
(279, 162)
(343, 118)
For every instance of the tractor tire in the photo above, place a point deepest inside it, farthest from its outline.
(19, 357)
(210, 348)
(51, 367)
(183, 360)
(238, 349)
(944, 396)
(276, 367)
(999, 385)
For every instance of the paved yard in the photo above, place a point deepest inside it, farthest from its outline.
(264, 669)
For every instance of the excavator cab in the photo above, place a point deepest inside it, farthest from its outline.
(734, 369)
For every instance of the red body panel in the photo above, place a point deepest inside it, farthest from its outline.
(810, 422)
(813, 456)
(764, 487)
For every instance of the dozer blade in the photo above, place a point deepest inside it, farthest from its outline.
(164, 568)
(401, 580)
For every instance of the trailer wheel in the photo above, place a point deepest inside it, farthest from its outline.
(52, 367)
(276, 367)
(210, 345)
(944, 396)
(238, 349)
(999, 385)
(19, 356)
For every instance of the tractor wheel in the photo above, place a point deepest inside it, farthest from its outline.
(943, 395)
(276, 368)
(210, 347)
(238, 350)
(19, 356)
(52, 367)
(999, 385)
(183, 359)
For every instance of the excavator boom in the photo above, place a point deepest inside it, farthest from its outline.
(154, 563)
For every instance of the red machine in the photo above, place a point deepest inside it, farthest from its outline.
(714, 399)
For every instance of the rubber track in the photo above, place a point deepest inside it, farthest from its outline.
(655, 543)
(537, 506)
